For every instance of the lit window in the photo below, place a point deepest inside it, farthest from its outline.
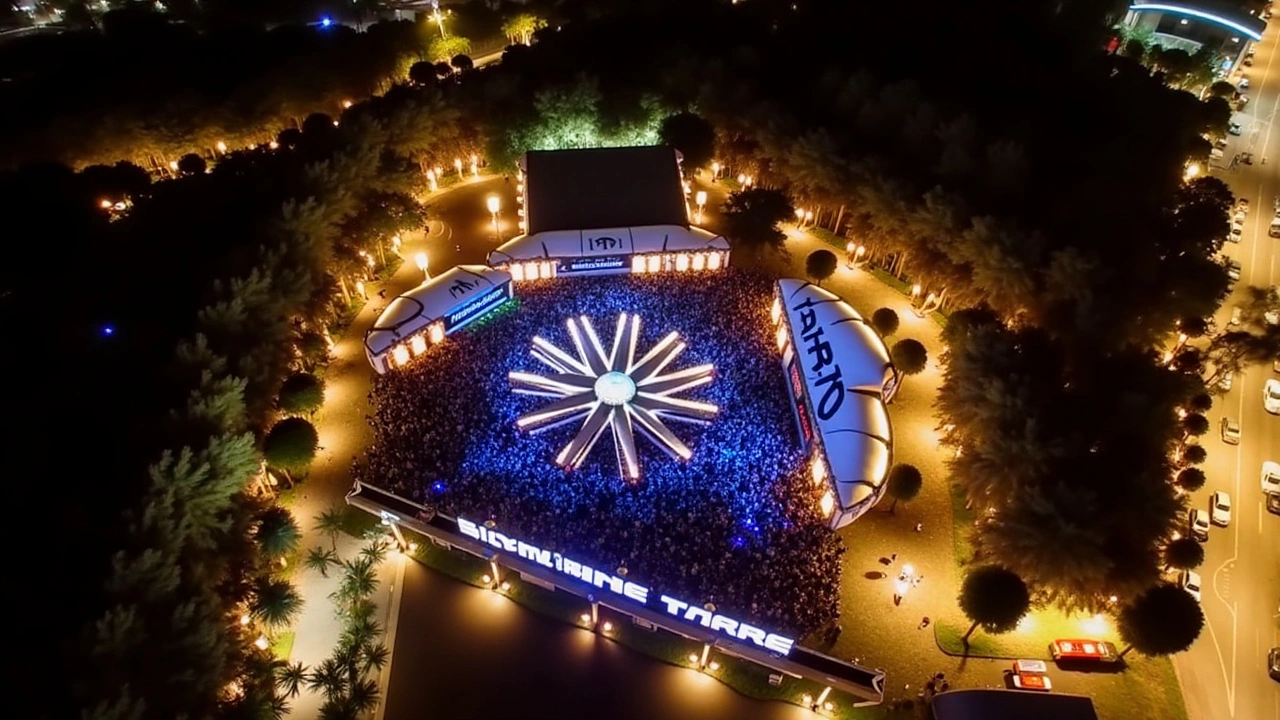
(401, 354)
(818, 469)
(775, 312)
(531, 271)
(655, 263)
(637, 265)
(517, 272)
(827, 504)
(436, 332)
(419, 344)
(547, 269)
(682, 263)
(699, 261)
(782, 337)
(713, 262)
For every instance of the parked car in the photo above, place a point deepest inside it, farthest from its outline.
(1237, 231)
(1198, 522)
(1273, 503)
(1247, 61)
(1243, 84)
(1273, 663)
(1088, 650)
(1230, 431)
(1220, 508)
(1216, 154)
(1271, 477)
(1237, 312)
(1233, 269)
(1189, 580)
(1271, 396)
(1030, 675)
(1227, 379)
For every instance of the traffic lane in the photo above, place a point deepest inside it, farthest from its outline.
(469, 235)
(462, 652)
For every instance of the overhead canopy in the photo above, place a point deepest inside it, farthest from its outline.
(848, 377)
(602, 187)
(1230, 16)
(986, 703)
(610, 242)
(428, 302)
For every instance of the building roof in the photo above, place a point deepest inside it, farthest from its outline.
(428, 302)
(603, 188)
(994, 704)
(831, 338)
(1228, 15)
(607, 242)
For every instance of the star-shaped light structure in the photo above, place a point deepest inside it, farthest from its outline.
(613, 390)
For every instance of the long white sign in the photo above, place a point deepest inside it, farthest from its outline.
(637, 593)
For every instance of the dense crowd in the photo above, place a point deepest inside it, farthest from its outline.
(736, 525)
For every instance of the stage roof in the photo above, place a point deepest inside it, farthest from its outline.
(428, 302)
(602, 188)
(606, 242)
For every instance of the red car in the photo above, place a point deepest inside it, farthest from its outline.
(1030, 675)
(1090, 650)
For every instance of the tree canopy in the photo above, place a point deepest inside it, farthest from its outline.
(1161, 621)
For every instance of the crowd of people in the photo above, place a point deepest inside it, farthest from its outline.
(736, 525)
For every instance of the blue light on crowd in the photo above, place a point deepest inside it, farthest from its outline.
(325, 21)
(108, 330)
(437, 486)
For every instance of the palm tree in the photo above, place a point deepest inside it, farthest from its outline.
(361, 632)
(375, 656)
(291, 678)
(358, 579)
(1161, 621)
(994, 598)
(275, 602)
(319, 559)
(904, 484)
(329, 678)
(329, 522)
(375, 551)
(364, 695)
(277, 532)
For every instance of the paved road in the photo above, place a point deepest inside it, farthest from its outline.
(462, 652)
(1224, 674)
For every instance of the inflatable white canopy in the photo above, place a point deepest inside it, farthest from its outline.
(840, 376)
(606, 250)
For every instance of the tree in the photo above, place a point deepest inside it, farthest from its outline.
(1190, 479)
(291, 678)
(692, 135)
(444, 69)
(330, 522)
(277, 532)
(1195, 454)
(1195, 424)
(904, 484)
(358, 580)
(301, 393)
(462, 62)
(1161, 621)
(909, 356)
(275, 602)
(329, 678)
(443, 49)
(1193, 327)
(885, 321)
(520, 28)
(422, 72)
(320, 559)
(1222, 89)
(191, 164)
(1185, 553)
(821, 265)
(1200, 402)
(752, 217)
(995, 598)
(291, 445)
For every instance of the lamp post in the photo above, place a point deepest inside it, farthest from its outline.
(848, 256)
(494, 204)
(421, 260)
(457, 165)
(701, 199)
(475, 166)
(799, 219)
(431, 180)
(715, 170)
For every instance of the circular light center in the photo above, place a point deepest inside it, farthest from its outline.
(615, 388)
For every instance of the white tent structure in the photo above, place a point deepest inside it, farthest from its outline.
(839, 376)
(429, 313)
(611, 251)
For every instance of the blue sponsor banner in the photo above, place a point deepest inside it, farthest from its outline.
(613, 263)
(476, 308)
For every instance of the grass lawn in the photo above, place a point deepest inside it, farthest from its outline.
(282, 645)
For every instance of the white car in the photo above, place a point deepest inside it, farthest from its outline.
(1271, 396)
(1243, 84)
(1226, 380)
(1190, 581)
(1270, 477)
(1220, 509)
(1198, 521)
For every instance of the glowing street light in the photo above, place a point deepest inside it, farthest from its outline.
(701, 200)
(360, 289)
(1192, 171)
(431, 180)
(742, 179)
(715, 170)
(475, 166)
(421, 260)
(494, 203)
(346, 104)
(457, 165)
(222, 147)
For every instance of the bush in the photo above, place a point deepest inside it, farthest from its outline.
(301, 393)
(885, 321)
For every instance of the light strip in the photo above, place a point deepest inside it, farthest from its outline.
(1192, 12)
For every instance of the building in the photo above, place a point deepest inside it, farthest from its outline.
(429, 313)
(839, 376)
(606, 211)
(1226, 27)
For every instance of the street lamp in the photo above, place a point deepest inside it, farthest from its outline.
(848, 250)
(715, 170)
(799, 218)
(701, 199)
(222, 147)
(421, 260)
(494, 204)
(457, 165)
(742, 179)
(431, 180)
(1192, 171)
(475, 166)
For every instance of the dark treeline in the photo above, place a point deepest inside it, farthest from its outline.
(998, 157)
